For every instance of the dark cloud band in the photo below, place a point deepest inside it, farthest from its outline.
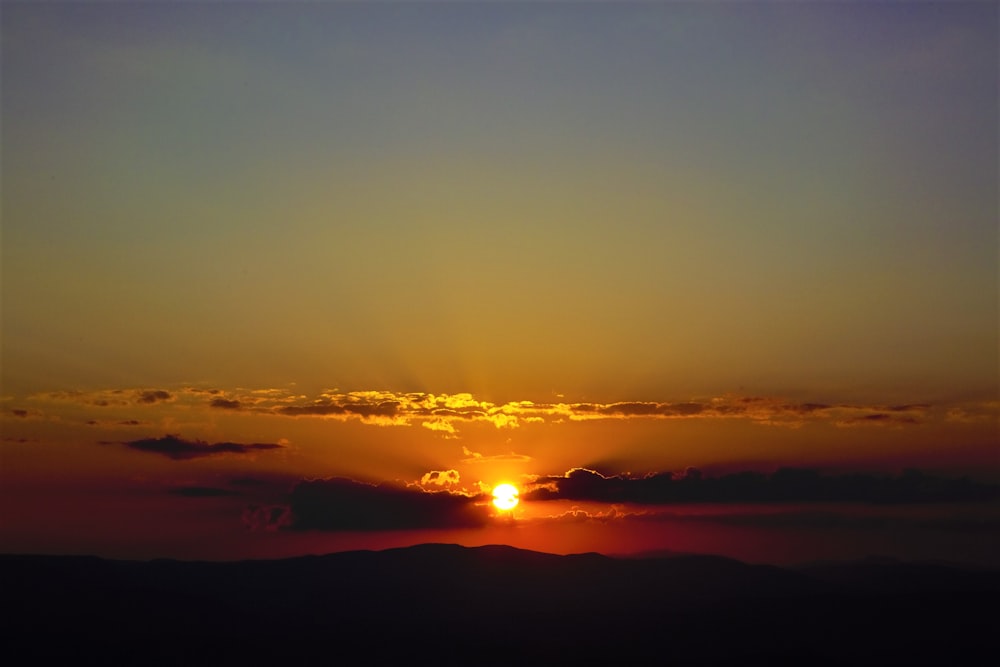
(784, 485)
(177, 448)
(346, 504)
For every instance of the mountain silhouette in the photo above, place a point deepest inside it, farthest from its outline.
(448, 604)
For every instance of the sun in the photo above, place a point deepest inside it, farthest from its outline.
(505, 496)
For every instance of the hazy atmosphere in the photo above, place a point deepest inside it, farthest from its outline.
(288, 278)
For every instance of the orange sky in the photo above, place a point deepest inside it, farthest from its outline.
(94, 471)
(251, 244)
(392, 435)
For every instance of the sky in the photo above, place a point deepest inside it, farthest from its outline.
(289, 277)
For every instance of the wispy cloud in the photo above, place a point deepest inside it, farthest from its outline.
(476, 457)
(175, 447)
(448, 414)
(116, 423)
(110, 397)
(26, 413)
(984, 411)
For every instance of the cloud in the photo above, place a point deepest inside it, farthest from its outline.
(27, 413)
(582, 484)
(153, 396)
(441, 478)
(315, 410)
(115, 423)
(110, 397)
(960, 519)
(444, 413)
(447, 414)
(439, 425)
(503, 420)
(578, 515)
(176, 448)
(983, 412)
(784, 485)
(345, 504)
(476, 457)
(893, 415)
(646, 409)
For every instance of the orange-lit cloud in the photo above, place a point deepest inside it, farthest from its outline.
(578, 514)
(440, 425)
(984, 411)
(476, 457)
(446, 414)
(441, 478)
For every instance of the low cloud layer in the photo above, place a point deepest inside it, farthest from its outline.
(784, 485)
(794, 498)
(960, 520)
(346, 504)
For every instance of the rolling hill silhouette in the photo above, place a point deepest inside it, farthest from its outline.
(449, 604)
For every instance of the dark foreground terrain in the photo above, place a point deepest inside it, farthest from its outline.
(435, 604)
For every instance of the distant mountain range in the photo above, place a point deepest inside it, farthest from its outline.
(447, 604)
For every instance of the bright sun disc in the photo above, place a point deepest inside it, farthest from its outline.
(505, 496)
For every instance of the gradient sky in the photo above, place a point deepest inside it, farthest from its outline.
(492, 240)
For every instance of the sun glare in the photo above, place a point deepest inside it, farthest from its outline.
(505, 497)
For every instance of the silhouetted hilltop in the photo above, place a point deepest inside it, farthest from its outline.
(492, 605)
